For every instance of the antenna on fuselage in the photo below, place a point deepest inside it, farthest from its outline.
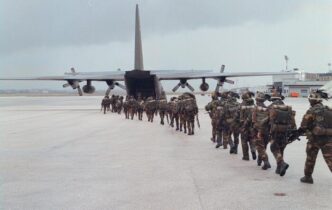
(138, 43)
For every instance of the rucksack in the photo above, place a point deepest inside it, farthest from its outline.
(323, 122)
(190, 105)
(232, 112)
(260, 117)
(280, 118)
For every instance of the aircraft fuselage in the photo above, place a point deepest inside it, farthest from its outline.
(143, 84)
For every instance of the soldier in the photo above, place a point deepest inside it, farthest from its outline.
(190, 110)
(126, 107)
(105, 104)
(211, 108)
(174, 112)
(162, 109)
(221, 129)
(119, 104)
(232, 121)
(150, 108)
(281, 120)
(132, 107)
(140, 108)
(247, 134)
(113, 102)
(260, 118)
(181, 113)
(317, 125)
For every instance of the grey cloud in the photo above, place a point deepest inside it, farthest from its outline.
(39, 23)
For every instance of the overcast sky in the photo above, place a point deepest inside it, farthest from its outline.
(40, 37)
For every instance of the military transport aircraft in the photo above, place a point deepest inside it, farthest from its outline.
(143, 82)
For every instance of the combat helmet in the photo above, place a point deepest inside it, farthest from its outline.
(173, 98)
(188, 95)
(214, 95)
(247, 95)
(233, 94)
(276, 96)
(224, 95)
(317, 96)
(261, 97)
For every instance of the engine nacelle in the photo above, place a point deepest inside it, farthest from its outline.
(89, 89)
(204, 86)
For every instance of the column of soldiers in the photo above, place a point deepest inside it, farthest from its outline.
(258, 125)
(181, 111)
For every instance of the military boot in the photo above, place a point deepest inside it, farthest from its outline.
(283, 167)
(213, 139)
(278, 169)
(245, 158)
(233, 149)
(307, 179)
(259, 161)
(266, 165)
(253, 154)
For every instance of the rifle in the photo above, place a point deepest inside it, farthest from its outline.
(198, 124)
(293, 134)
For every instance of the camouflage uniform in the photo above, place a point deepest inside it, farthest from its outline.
(281, 119)
(174, 112)
(211, 108)
(181, 113)
(126, 107)
(247, 132)
(317, 125)
(150, 106)
(162, 109)
(119, 105)
(232, 122)
(260, 119)
(221, 129)
(105, 104)
(132, 107)
(113, 102)
(140, 108)
(190, 110)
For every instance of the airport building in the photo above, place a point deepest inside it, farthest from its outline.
(299, 84)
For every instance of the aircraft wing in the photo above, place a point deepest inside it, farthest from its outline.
(161, 74)
(198, 74)
(93, 76)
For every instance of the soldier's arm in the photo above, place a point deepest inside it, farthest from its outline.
(293, 122)
(307, 120)
(208, 107)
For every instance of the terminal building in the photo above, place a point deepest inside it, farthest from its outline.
(299, 84)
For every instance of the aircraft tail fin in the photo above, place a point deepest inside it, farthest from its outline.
(138, 43)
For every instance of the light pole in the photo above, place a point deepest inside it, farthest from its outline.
(286, 60)
(329, 65)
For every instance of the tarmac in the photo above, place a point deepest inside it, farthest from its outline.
(63, 153)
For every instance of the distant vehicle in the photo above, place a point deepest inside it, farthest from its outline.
(141, 82)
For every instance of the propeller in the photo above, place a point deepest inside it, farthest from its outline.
(190, 87)
(176, 87)
(111, 84)
(222, 80)
(183, 83)
(222, 68)
(120, 86)
(219, 84)
(75, 84)
(79, 90)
